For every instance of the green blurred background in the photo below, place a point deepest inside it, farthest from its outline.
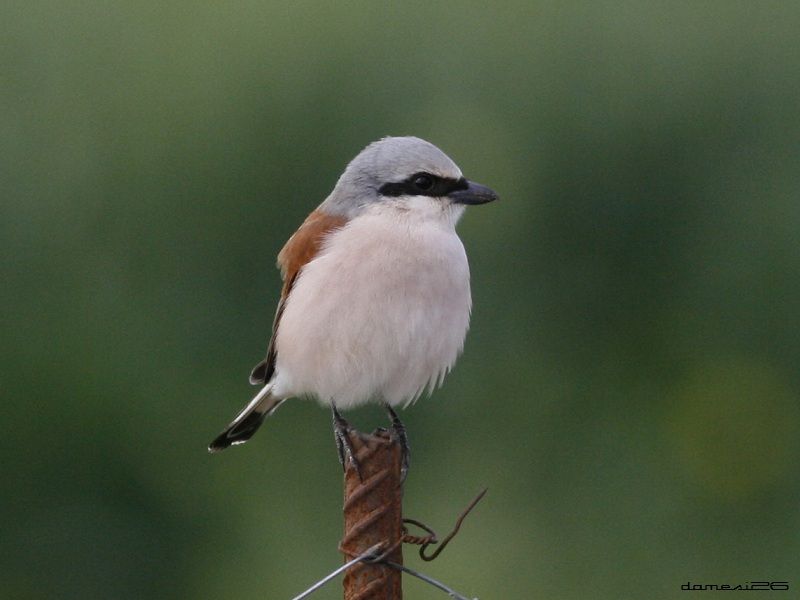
(629, 390)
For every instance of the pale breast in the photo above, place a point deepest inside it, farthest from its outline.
(381, 313)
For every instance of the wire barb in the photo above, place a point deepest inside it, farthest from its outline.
(431, 538)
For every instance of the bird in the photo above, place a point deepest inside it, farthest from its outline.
(376, 301)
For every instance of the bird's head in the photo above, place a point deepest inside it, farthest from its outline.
(408, 173)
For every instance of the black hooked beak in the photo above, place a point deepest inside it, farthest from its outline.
(474, 193)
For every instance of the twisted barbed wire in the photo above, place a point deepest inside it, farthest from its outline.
(379, 553)
(336, 572)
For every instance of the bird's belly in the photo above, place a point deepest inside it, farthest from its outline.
(380, 314)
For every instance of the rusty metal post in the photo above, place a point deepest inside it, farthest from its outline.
(373, 514)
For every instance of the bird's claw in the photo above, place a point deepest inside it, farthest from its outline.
(400, 432)
(341, 433)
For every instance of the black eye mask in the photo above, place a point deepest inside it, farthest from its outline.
(423, 184)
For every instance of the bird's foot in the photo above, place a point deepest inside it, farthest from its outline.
(341, 433)
(400, 431)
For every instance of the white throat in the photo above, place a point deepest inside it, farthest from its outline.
(420, 209)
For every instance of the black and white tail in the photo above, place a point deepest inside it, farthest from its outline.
(247, 421)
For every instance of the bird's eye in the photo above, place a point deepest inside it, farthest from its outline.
(423, 182)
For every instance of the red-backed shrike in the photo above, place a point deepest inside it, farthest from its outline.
(376, 300)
